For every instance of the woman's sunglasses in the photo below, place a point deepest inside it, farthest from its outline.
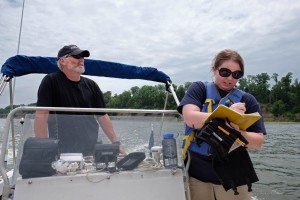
(224, 72)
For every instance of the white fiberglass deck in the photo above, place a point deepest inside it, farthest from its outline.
(163, 184)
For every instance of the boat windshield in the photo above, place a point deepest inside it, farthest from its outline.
(78, 137)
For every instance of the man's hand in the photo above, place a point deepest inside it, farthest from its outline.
(122, 151)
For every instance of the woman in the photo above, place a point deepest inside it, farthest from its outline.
(200, 99)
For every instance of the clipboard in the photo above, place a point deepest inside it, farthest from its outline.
(242, 120)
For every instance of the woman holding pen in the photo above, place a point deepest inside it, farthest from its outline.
(196, 106)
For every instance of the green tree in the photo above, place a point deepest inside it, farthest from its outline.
(278, 108)
(256, 85)
(295, 96)
(275, 77)
(149, 97)
(120, 101)
(107, 96)
(281, 91)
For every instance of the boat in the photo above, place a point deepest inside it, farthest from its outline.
(91, 177)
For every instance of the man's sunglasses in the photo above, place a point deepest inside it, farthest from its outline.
(74, 56)
(77, 56)
(224, 72)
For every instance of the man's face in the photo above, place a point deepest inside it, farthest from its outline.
(74, 64)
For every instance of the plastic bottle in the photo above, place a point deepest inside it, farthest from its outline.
(169, 150)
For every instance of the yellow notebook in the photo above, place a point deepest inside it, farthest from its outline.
(242, 120)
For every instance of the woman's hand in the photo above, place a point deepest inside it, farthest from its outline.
(239, 107)
(255, 140)
(236, 127)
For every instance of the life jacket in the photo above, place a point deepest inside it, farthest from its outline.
(213, 99)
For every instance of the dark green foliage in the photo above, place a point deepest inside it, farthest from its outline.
(278, 108)
(283, 96)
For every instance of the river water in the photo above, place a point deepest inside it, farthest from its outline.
(277, 164)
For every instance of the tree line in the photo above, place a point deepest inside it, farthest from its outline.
(281, 97)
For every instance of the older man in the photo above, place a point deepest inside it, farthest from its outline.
(67, 88)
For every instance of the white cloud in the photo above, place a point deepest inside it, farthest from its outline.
(178, 37)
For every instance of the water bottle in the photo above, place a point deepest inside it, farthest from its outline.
(169, 150)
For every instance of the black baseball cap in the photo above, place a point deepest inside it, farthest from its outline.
(72, 50)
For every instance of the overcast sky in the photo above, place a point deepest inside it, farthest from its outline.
(179, 38)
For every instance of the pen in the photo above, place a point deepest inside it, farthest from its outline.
(230, 100)
(227, 133)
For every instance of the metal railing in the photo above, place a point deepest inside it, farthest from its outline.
(3, 81)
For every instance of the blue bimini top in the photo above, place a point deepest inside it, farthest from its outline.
(20, 65)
